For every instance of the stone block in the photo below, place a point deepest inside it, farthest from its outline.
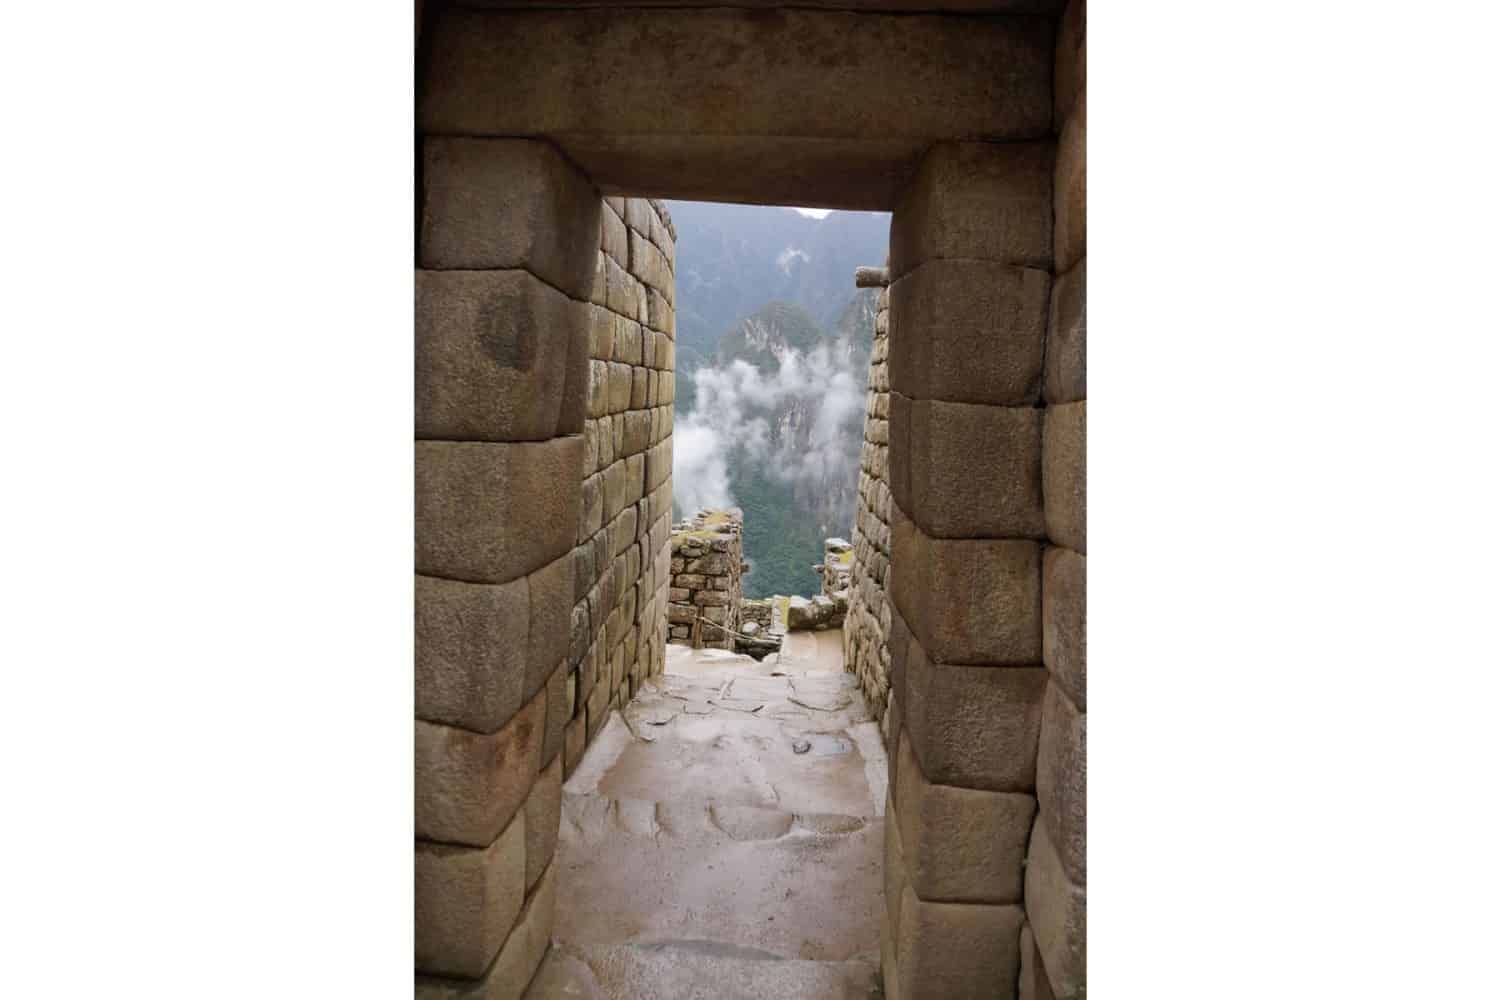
(639, 215)
(551, 595)
(635, 478)
(969, 601)
(979, 200)
(620, 381)
(628, 341)
(590, 507)
(1065, 474)
(494, 204)
(1062, 781)
(543, 811)
(606, 436)
(584, 575)
(481, 649)
(622, 530)
(469, 785)
(1066, 377)
(1071, 188)
(599, 82)
(890, 972)
(637, 426)
(559, 711)
(490, 512)
(612, 237)
(1065, 621)
(598, 389)
(1057, 911)
(493, 354)
(511, 971)
(467, 900)
(615, 489)
(961, 845)
(659, 464)
(581, 633)
(969, 331)
(647, 262)
(575, 740)
(665, 241)
(598, 291)
(638, 394)
(619, 291)
(470, 666)
(973, 727)
(1033, 985)
(1070, 63)
(601, 333)
(893, 866)
(974, 471)
(957, 951)
(659, 313)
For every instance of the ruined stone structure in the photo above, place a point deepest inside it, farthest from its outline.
(867, 653)
(835, 570)
(544, 330)
(705, 595)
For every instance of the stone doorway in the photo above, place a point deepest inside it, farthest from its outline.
(539, 547)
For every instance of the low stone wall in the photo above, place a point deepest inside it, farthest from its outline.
(826, 609)
(837, 567)
(707, 563)
(867, 626)
(761, 629)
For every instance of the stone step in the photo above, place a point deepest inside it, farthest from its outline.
(697, 970)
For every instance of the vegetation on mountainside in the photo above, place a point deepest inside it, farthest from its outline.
(754, 284)
(781, 542)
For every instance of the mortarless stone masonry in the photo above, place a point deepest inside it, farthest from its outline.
(867, 626)
(707, 563)
(544, 392)
(544, 389)
(1056, 885)
(618, 622)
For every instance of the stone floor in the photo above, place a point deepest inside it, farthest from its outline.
(722, 837)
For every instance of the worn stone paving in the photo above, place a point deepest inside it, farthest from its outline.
(723, 836)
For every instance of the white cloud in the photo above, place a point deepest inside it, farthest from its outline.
(785, 258)
(731, 413)
(814, 213)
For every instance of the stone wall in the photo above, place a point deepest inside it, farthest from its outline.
(543, 391)
(625, 517)
(1053, 943)
(707, 564)
(867, 626)
(984, 866)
